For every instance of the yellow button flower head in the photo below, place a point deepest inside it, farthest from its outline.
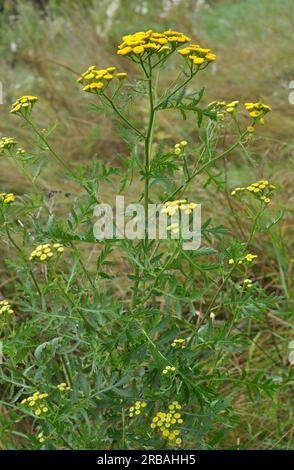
(24, 104)
(249, 258)
(168, 370)
(121, 75)
(197, 55)
(45, 252)
(180, 147)
(41, 438)
(5, 308)
(96, 80)
(217, 105)
(167, 423)
(136, 409)
(179, 343)
(257, 111)
(145, 43)
(172, 207)
(6, 144)
(7, 198)
(37, 403)
(261, 190)
(247, 283)
(63, 387)
(230, 107)
(219, 108)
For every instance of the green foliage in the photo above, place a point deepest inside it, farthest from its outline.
(106, 328)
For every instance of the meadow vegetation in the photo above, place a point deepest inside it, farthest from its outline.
(133, 345)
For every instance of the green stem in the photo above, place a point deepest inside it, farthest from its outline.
(228, 276)
(22, 254)
(203, 167)
(58, 159)
(176, 89)
(148, 151)
(121, 116)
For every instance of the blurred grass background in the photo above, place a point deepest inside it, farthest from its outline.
(44, 46)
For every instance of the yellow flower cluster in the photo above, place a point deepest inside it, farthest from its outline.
(257, 111)
(20, 151)
(168, 370)
(171, 207)
(262, 189)
(94, 80)
(44, 252)
(6, 143)
(178, 343)
(7, 198)
(149, 42)
(246, 259)
(24, 103)
(220, 105)
(180, 147)
(197, 55)
(217, 105)
(230, 107)
(63, 387)
(137, 408)
(174, 228)
(5, 307)
(37, 402)
(166, 423)
(247, 283)
(41, 438)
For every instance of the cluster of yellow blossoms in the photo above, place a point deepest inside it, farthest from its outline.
(168, 370)
(137, 408)
(7, 198)
(178, 343)
(172, 207)
(262, 189)
(257, 111)
(6, 143)
(20, 151)
(23, 103)
(230, 107)
(41, 438)
(44, 252)
(180, 147)
(37, 402)
(247, 283)
(63, 387)
(150, 42)
(166, 423)
(174, 228)
(94, 80)
(220, 105)
(197, 54)
(5, 308)
(246, 259)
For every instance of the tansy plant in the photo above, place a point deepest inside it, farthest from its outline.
(132, 343)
